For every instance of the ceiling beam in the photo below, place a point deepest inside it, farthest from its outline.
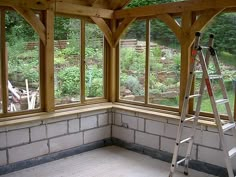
(173, 8)
(31, 4)
(72, 9)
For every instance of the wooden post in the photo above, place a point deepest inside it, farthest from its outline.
(82, 61)
(113, 89)
(47, 62)
(147, 67)
(4, 64)
(185, 54)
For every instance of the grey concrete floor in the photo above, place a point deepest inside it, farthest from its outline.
(109, 161)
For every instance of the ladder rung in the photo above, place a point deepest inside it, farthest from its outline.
(198, 72)
(193, 96)
(180, 161)
(189, 118)
(186, 140)
(222, 101)
(232, 152)
(228, 126)
(215, 76)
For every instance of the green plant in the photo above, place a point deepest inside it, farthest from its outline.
(69, 81)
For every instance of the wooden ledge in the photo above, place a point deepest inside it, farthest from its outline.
(59, 113)
(96, 107)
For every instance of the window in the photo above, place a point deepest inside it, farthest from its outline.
(67, 58)
(163, 73)
(22, 54)
(94, 60)
(224, 44)
(164, 68)
(132, 62)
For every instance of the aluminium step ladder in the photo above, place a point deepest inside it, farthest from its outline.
(198, 56)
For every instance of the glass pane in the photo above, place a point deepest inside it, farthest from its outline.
(67, 60)
(23, 64)
(225, 45)
(164, 66)
(94, 58)
(132, 62)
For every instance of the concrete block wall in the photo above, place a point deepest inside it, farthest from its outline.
(41, 138)
(160, 133)
(26, 141)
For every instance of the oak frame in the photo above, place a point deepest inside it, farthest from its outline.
(187, 10)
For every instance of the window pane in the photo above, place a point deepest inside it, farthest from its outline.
(132, 62)
(225, 45)
(23, 64)
(67, 60)
(164, 66)
(94, 59)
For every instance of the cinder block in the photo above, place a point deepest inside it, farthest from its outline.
(123, 134)
(130, 121)
(23, 125)
(212, 156)
(27, 151)
(155, 127)
(60, 118)
(93, 113)
(3, 157)
(211, 139)
(17, 137)
(66, 142)
(103, 119)
(97, 134)
(38, 133)
(3, 129)
(141, 124)
(148, 140)
(153, 117)
(171, 130)
(117, 119)
(110, 116)
(74, 125)
(124, 112)
(88, 122)
(168, 145)
(56, 129)
(3, 140)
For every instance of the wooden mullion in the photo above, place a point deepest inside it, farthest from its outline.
(47, 63)
(4, 65)
(82, 61)
(185, 54)
(42, 72)
(147, 64)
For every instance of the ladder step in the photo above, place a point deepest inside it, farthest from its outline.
(189, 118)
(198, 72)
(186, 140)
(222, 101)
(193, 96)
(232, 152)
(180, 161)
(215, 76)
(228, 126)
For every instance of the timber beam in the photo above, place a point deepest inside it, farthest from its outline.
(174, 8)
(72, 9)
(31, 4)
